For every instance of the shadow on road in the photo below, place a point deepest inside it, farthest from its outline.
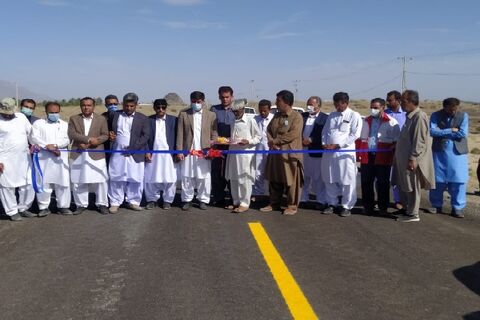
(470, 277)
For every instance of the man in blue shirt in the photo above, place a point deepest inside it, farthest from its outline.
(394, 110)
(449, 130)
(225, 119)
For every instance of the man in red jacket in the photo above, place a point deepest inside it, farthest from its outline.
(379, 133)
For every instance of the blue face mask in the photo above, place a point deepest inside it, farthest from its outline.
(26, 111)
(112, 108)
(196, 107)
(53, 117)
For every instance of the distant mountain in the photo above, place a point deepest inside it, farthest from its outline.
(7, 89)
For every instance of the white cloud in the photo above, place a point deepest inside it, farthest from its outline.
(277, 29)
(183, 2)
(193, 25)
(54, 3)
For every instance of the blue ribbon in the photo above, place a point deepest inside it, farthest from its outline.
(185, 152)
(37, 174)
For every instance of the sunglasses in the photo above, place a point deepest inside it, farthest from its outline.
(160, 107)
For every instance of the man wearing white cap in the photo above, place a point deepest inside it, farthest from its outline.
(15, 160)
(240, 169)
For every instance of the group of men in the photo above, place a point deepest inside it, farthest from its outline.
(215, 150)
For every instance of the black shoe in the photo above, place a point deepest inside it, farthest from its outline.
(186, 206)
(345, 213)
(103, 210)
(435, 210)
(328, 210)
(43, 213)
(65, 211)
(26, 214)
(150, 205)
(369, 211)
(166, 206)
(79, 210)
(16, 217)
(202, 206)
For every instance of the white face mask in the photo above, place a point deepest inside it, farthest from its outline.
(310, 109)
(375, 112)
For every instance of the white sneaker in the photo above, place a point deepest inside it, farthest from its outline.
(408, 218)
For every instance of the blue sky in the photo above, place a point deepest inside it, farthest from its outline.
(67, 48)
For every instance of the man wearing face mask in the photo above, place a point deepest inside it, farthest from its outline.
(339, 169)
(49, 135)
(197, 127)
(379, 131)
(15, 160)
(111, 103)
(130, 131)
(313, 123)
(449, 129)
(27, 106)
(160, 169)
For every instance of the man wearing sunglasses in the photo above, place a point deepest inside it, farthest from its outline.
(160, 169)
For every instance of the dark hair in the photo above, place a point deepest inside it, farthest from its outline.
(224, 89)
(130, 97)
(28, 101)
(87, 98)
(51, 103)
(451, 102)
(286, 97)
(412, 96)
(197, 95)
(160, 102)
(341, 97)
(318, 99)
(379, 100)
(395, 93)
(110, 96)
(265, 102)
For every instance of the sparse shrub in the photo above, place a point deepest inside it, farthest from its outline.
(475, 151)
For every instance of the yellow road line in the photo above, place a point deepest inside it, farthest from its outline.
(296, 301)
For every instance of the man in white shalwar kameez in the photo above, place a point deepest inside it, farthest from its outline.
(160, 170)
(88, 170)
(240, 168)
(49, 135)
(15, 161)
(339, 169)
(130, 132)
(263, 120)
(197, 127)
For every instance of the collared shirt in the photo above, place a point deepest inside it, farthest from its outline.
(160, 133)
(399, 115)
(197, 130)
(373, 134)
(309, 125)
(124, 125)
(87, 123)
(225, 119)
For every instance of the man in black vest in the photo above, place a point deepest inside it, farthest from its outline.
(449, 129)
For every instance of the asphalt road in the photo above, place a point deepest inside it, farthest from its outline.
(206, 265)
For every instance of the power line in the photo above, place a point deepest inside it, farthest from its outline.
(404, 71)
(448, 53)
(447, 74)
(377, 86)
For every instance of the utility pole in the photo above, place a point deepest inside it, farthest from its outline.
(16, 94)
(253, 89)
(295, 85)
(404, 71)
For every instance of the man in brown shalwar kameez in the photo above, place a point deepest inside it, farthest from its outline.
(413, 164)
(284, 172)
